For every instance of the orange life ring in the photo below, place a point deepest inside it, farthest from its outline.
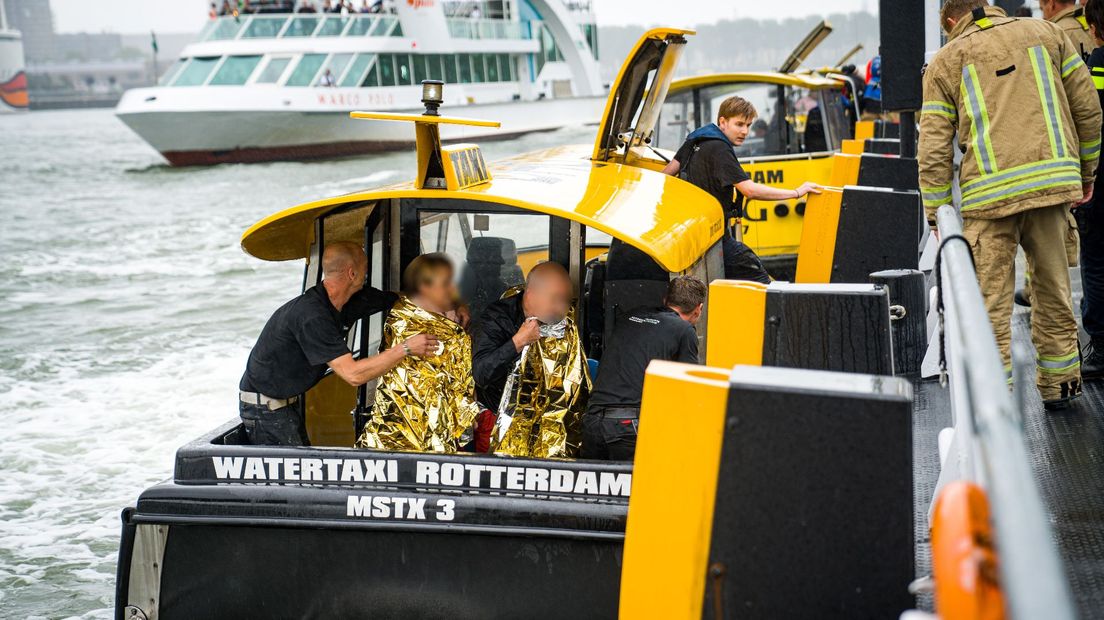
(964, 560)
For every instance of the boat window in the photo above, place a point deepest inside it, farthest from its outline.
(492, 252)
(506, 67)
(307, 68)
(433, 66)
(361, 25)
(676, 121)
(477, 68)
(492, 67)
(225, 28)
(356, 71)
(336, 66)
(403, 70)
(302, 26)
(264, 27)
(777, 129)
(171, 74)
(195, 74)
(386, 66)
(235, 70)
(332, 26)
(419, 68)
(372, 79)
(396, 30)
(273, 70)
(450, 69)
(465, 69)
(838, 126)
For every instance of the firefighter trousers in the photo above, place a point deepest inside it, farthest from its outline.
(1042, 234)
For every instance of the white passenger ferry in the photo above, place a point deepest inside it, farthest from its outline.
(262, 87)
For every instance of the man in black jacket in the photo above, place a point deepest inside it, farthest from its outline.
(508, 325)
(644, 334)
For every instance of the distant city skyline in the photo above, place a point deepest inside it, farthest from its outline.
(180, 16)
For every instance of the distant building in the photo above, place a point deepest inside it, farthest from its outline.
(36, 21)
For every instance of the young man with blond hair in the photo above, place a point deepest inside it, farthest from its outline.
(708, 159)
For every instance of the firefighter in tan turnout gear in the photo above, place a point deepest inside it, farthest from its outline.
(1021, 100)
(1070, 17)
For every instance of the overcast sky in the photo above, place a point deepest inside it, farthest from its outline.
(134, 16)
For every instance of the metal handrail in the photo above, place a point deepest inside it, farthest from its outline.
(1033, 579)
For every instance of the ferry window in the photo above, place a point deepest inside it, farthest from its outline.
(397, 30)
(304, 72)
(450, 69)
(273, 70)
(386, 66)
(492, 67)
(336, 66)
(403, 69)
(419, 68)
(361, 25)
(195, 74)
(477, 68)
(492, 252)
(235, 70)
(169, 75)
(433, 65)
(506, 67)
(225, 28)
(372, 79)
(302, 27)
(332, 26)
(357, 69)
(465, 69)
(261, 27)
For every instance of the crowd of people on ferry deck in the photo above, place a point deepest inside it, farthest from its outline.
(251, 7)
(443, 380)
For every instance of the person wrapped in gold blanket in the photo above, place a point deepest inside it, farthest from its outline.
(425, 404)
(529, 366)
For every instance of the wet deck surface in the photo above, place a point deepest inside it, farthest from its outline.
(1067, 453)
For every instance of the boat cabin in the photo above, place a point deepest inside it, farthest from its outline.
(329, 530)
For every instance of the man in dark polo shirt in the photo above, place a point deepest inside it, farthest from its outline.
(707, 159)
(640, 336)
(306, 336)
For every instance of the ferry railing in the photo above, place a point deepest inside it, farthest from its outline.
(990, 441)
(469, 28)
(301, 25)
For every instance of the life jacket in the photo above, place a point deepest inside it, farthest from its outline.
(695, 139)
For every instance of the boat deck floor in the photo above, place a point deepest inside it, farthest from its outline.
(1067, 456)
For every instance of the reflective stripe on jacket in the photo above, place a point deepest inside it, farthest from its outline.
(1022, 102)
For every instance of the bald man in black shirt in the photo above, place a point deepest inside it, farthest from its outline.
(640, 336)
(306, 336)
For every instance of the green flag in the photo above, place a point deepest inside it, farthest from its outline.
(153, 41)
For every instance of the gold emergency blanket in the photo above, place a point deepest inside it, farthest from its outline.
(540, 413)
(423, 404)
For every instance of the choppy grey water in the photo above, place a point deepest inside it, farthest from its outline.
(126, 311)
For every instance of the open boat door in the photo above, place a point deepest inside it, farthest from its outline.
(811, 41)
(638, 93)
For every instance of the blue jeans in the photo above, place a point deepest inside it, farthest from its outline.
(1090, 222)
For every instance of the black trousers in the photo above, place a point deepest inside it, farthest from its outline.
(1090, 224)
(278, 427)
(609, 434)
(741, 262)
